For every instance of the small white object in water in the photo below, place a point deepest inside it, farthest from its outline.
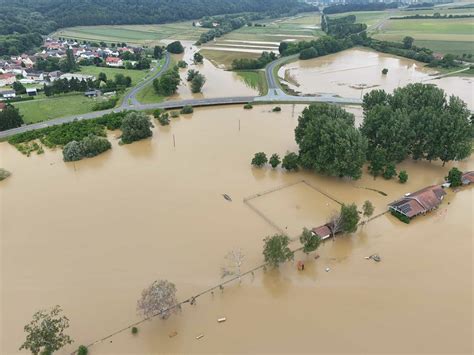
(220, 320)
(327, 269)
(200, 336)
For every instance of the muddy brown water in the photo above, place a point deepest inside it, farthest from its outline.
(219, 83)
(356, 71)
(91, 235)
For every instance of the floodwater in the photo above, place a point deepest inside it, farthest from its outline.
(91, 235)
(356, 71)
(219, 83)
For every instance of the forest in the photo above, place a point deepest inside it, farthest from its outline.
(337, 9)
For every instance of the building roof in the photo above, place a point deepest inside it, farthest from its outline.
(322, 231)
(112, 60)
(7, 76)
(6, 92)
(468, 177)
(31, 90)
(420, 201)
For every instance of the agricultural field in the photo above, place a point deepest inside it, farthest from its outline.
(255, 79)
(145, 35)
(251, 41)
(42, 109)
(136, 75)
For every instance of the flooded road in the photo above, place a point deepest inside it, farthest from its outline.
(91, 235)
(354, 72)
(219, 83)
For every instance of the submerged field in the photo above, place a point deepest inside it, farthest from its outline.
(154, 210)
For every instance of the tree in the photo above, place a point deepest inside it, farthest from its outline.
(73, 151)
(70, 62)
(290, 161)
(368, 209)
(191, 74)
(197, 83)
(159, 299)
(282, 47)
(309, 240)
(19, 88)
(454, 177)
(186, 110)
(350, 218)
(274, 160)
(335, 223)
(384, 71)
(167, 84)
(93, 145)
(276, 250)
(389, 172)
(328, 141)
(102, 77)
(408, 42)
(45, 333)
(175, 47)
(158, 52)
(259, 159)
(234, 260)
(403, 176)
(135, 126)
(164, 119)
(10, 118)
(198, 58)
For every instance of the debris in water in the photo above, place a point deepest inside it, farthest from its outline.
(200, 336)
(327, 269)
(222, 319)
(374, 257)
(173, 334)
(316, 256)
(227, 197)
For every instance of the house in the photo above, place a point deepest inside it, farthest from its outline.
(92, 93)
(79, 77)
(8, 94)
(419, 202)
(114, 62)
(467, 178)
(36, 76)
(54, 75)
(323, 232)
(7, 79)
(31, 91)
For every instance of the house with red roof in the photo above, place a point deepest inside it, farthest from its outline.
(7, 79)
(467, 178)
(419, 202)
(114, 62)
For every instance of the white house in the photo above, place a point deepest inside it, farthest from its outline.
(8, 94)
(7, 79)
(114, 62)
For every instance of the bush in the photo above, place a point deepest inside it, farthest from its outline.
(157, 113)
(187, 110)
(389, 172)
(403, 177)
(384, 71)
(276, 109)
(454, 177)
(248, 106)
(105, 105)
(175, 47)
(174, 114)
(93, 145)
(182, 64)
(73, 151)
(164, 119)
(135, 126)
(82, 350)
(290, 161)
(400, 216)
(4, 174)
(259, 159)
(274, 160)
(134, 330)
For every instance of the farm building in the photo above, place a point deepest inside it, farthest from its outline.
(467, 178)
(31, 91)
(419, 202)
(8, 94)
(323, 231)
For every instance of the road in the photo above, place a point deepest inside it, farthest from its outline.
(275, 95)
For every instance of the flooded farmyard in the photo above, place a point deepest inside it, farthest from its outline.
(91, 235)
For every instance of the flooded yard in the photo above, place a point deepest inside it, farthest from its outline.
(91, 235)
(354, 72)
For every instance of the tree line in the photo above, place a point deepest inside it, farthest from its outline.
(337, 9)
(259, 63)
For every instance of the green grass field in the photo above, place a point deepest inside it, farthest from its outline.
(148, 95)
(136, 75)
(255, 79)
(133, 34)
(42, 109)
(223, 58)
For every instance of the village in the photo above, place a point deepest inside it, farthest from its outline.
(48, 65)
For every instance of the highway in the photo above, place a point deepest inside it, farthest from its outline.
(275, 95)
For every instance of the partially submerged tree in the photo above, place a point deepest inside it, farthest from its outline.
(197, 83)
(335, 223)
(290, 161)
(234, 260)
(198, 58)
(159, 299)
(368, 209)
(175, 47)
(135, 126)
(309, 240)
(403, 176)
(454, 177)
(274, 160)
(45, 333)
(4, 174)
(350, 218)
(276, 250)
(259, 159)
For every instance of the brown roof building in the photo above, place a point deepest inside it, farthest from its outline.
(419, 202)
(322, 231)
(467, 178)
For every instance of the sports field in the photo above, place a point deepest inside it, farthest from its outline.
(132, 34)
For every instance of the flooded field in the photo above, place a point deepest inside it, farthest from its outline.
(91, 235)
(354, 72)
(219, 83)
